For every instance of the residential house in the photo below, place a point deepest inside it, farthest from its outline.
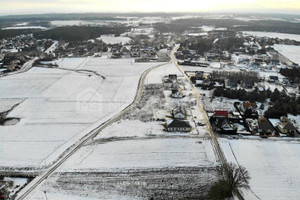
(116, 55)
(286, 81)
(178, 126)
(252, 125)
(273, 79)
(248, 109)
(173, 77)
(286, 127)
(124, 50)
(178, 113)
(199, 75)
(235, 117)
(222, 125)
(198, 83)
(265, 127)
(176, 93)
(221, 113)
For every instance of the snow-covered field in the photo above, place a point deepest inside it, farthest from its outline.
(111, 39)
(127, 128)
(7, 104)
(140, 31)
(162, 183)
(273, 35)
(289, 51)
(142, 153)
(273, 166)
(25, 27)
(60, 23)
(156, 75)
(60, 105)
(129, 158)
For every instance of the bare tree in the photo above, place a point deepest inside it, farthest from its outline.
(235, 176)
(232, 178)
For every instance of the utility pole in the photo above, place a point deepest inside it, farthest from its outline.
(46, 195)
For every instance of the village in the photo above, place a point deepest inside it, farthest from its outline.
(250, 75)
(158, 83)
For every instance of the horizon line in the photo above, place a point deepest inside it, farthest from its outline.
(270, 12)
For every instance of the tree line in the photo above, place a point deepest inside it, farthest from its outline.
(235, 76)
(68, 33)
(293, 74)
(243, 95)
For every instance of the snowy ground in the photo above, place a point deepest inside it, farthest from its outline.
(7, 104)
(25, 27)
(165, 183)
(142, 153)
(132, 159)
(289, 51)
(156, 75)
(127, 163)
(217, 103)
(111, 39)
(60, 105)
(60, 23)
(273, 166)
(273, 35)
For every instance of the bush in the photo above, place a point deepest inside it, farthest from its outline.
(242, 94)
(2, 120)
(220, 191)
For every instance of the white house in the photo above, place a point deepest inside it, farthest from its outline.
(178, 113)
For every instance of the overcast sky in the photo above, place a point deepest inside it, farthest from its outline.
(8, 7)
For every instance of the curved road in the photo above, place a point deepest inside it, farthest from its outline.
(39, 179)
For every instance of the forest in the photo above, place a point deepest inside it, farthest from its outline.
(68, 33)
(181, 25)
(293, 74)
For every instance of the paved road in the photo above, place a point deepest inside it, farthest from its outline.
(38, 180)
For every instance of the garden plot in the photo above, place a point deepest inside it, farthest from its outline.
(61, 106)
(273, 166)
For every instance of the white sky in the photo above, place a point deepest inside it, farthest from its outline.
(45, 6)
